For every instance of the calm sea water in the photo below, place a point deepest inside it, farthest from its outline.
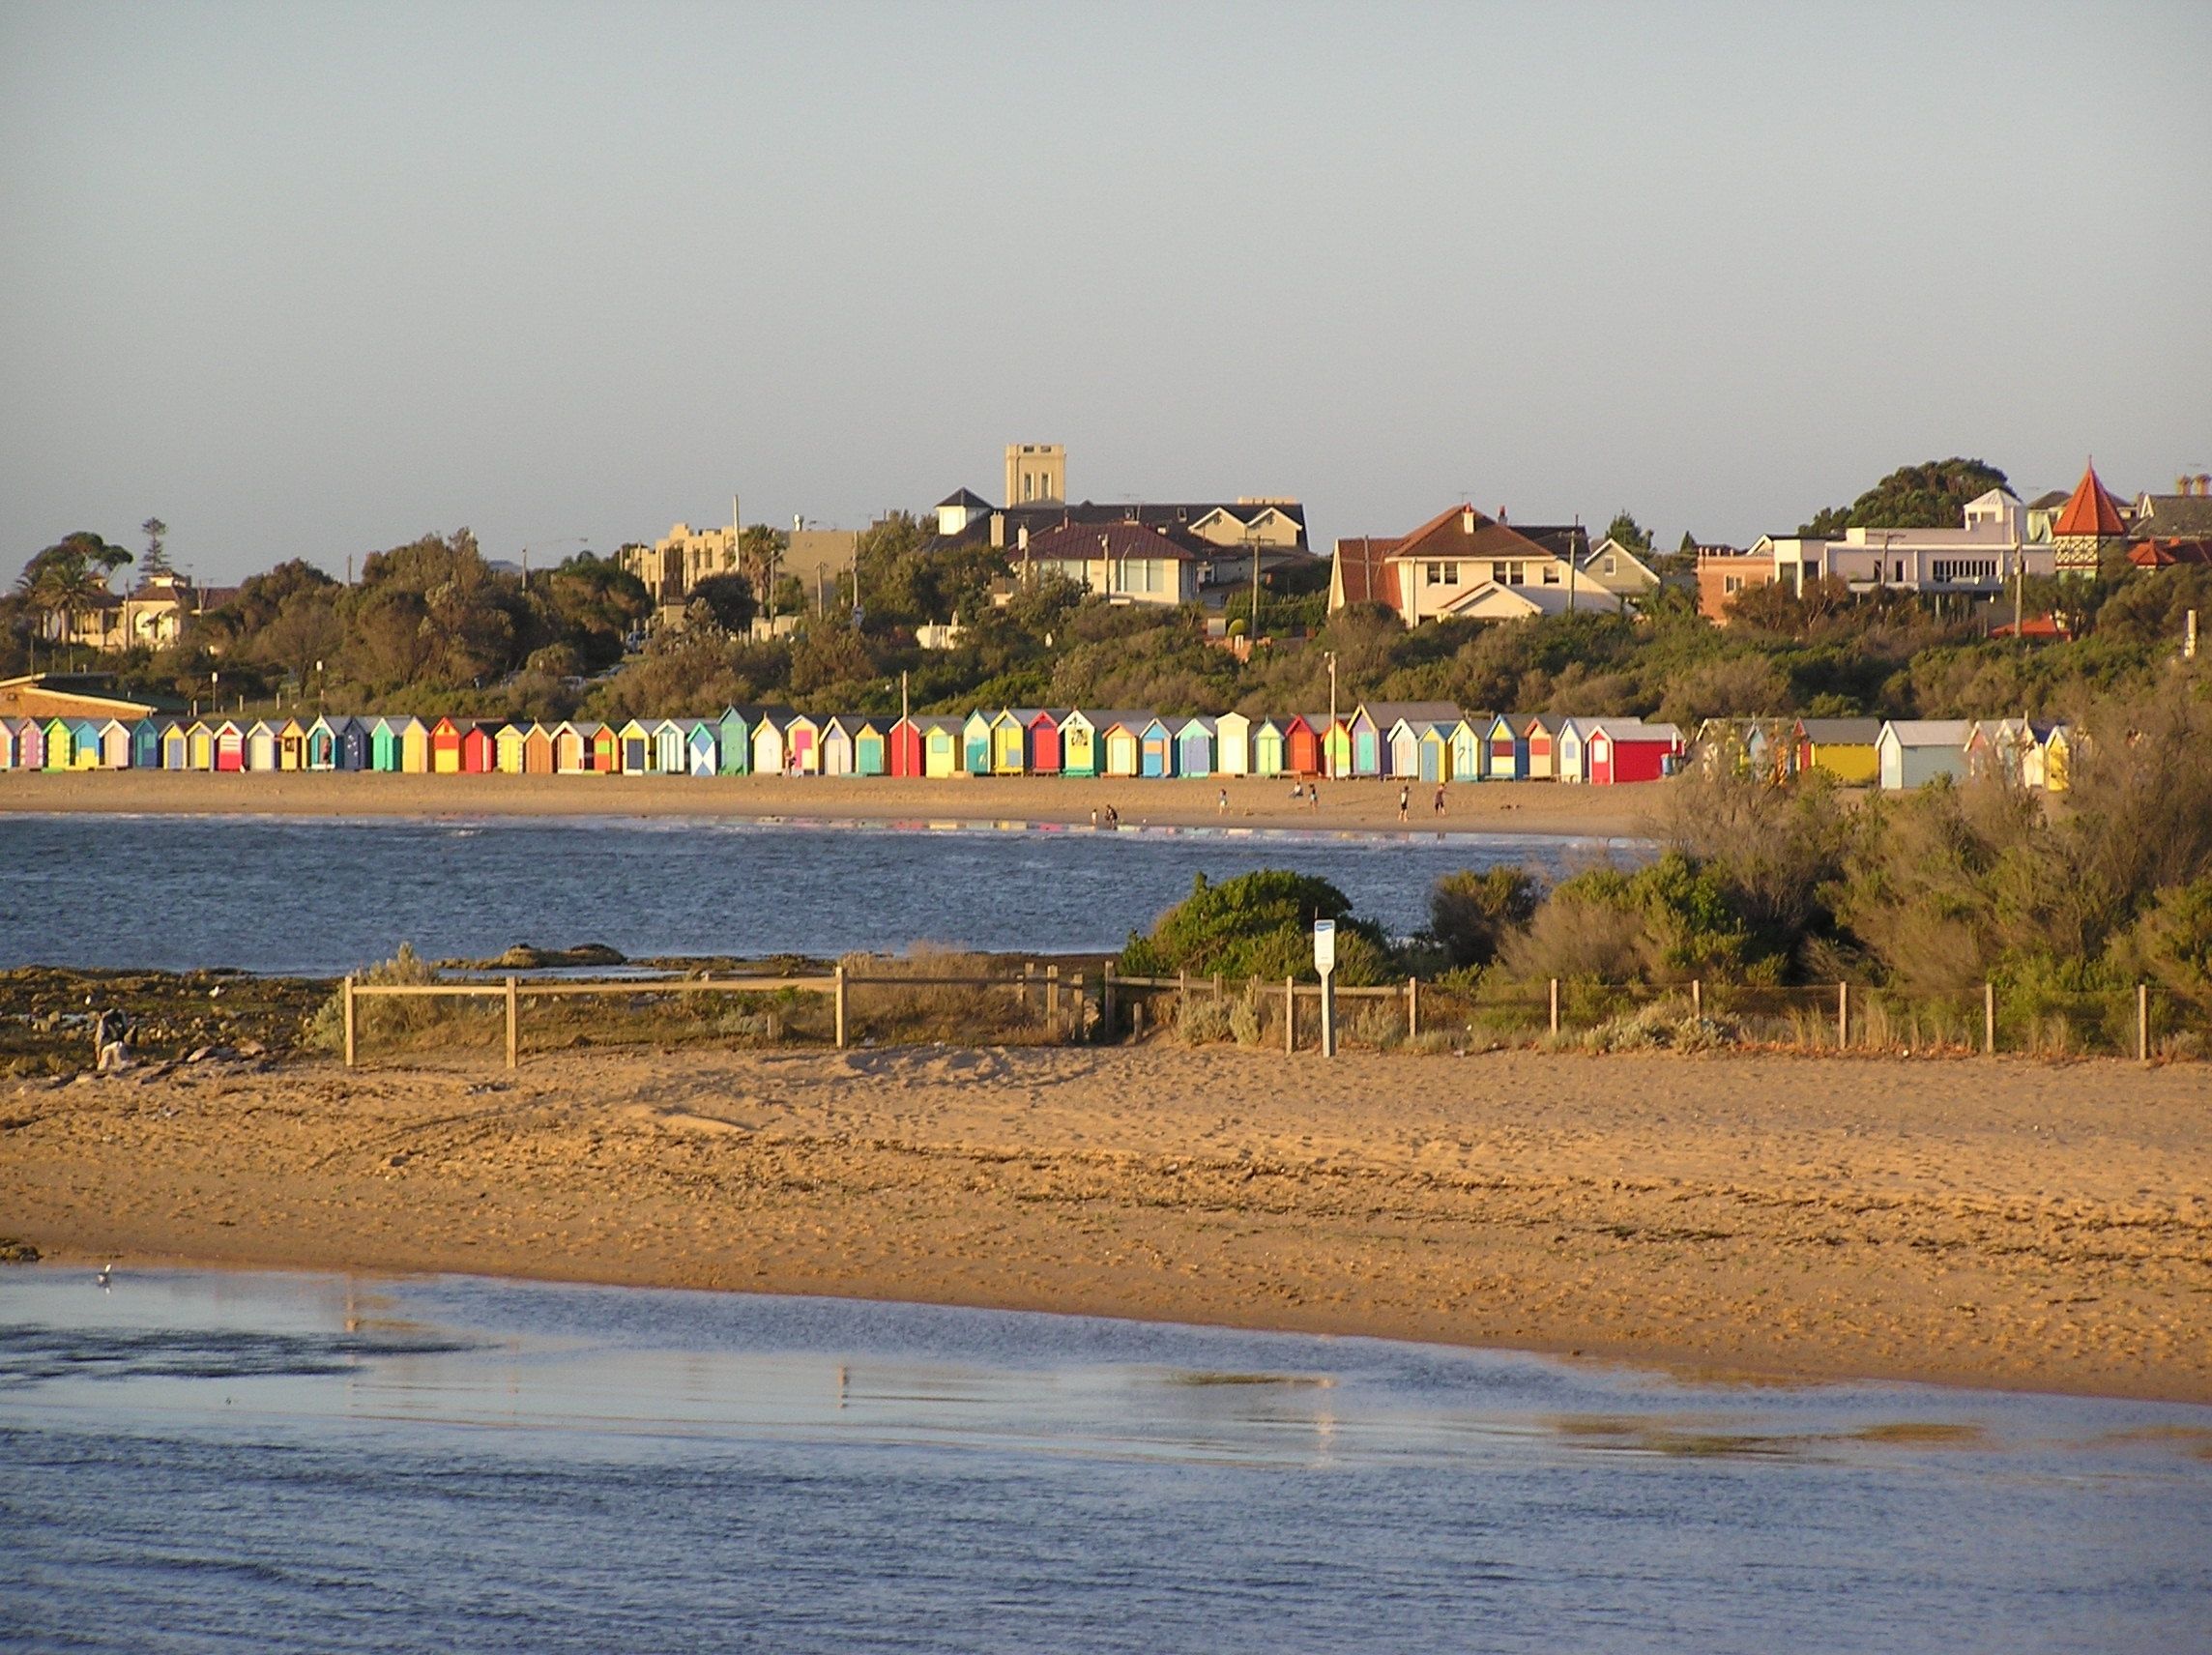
(289, 894)
(197, 1461)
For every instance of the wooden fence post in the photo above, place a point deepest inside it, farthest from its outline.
(1289, 1016)
(2143, 1022)
(1029, 972)
(1412, 1009)
(1697, 997)
(1988, 1018)
(1217, 989)
(1328, 1014)
(514, 1031)
(840, 994)
(1052, 993)
(1076, 995)
(1842, 1015)
(1555, 1005)
(1106, 1005)
(349, 1023)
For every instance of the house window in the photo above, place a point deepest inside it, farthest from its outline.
(1433, 575)
(1731, 583)
(1498, 573)
(1519, 574)
(1610, 567)
(1551, 574)
(1451, 574)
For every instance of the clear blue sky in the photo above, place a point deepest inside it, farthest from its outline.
(312, 280)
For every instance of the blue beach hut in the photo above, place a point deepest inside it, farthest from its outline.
(1157, 749)
(1194, 747)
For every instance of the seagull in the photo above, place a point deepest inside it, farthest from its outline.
(105, 1272)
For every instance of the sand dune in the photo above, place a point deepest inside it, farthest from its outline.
(1992, 1223)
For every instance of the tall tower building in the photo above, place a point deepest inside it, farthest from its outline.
(1036, 472)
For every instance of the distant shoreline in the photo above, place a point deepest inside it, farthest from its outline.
(1346, 806)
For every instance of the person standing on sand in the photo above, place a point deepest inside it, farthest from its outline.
(1222, 808)
(1405, 798)
(1313, 796)
(1113, 817)
(1095, 818)
(1440, 798)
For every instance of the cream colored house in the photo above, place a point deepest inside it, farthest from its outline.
(1462, 564)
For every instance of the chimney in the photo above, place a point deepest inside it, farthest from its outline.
(999, 531)
(1023, 539)
(1467, 519)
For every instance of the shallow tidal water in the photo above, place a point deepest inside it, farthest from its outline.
(203, 1461)
(329, 895)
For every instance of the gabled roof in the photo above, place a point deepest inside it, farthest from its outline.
(967, 497)
(2162, 554)
(2090, 511)
(1390, 713)
(1364, 571)
(1087, 540)
(2173, 517)
(1840, 732)
(1930, 732)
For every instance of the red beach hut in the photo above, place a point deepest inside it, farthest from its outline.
(1301, 747)
(904, 749)
(479, 749)
(1044, 744)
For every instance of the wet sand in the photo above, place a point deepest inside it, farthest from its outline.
(1999, 1222)
(1510, 808)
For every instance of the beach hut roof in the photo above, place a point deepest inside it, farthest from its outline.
(1388, 715)
(1930, 732)
(1201, 722)
(1840, 732)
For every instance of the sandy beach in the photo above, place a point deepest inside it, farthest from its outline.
(1973, 1221)
(1501, 807)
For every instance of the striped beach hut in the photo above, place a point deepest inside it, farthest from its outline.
(1336, 754)
(636, 748)
(903, 748)
(30, 744)
(510, 750)
(229, 737)
(869, 755)
(671, 748)
(941, 739)
(1268, 757)
(1194, 747)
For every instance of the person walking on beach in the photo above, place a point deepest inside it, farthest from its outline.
(1113, 817)
(1313, 796)
(1405, 798)
(1222, 808)
(1095, 819)
(1440, 798)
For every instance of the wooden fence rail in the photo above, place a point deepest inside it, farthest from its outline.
(1057, 992)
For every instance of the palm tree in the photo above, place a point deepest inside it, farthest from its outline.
(70, 577)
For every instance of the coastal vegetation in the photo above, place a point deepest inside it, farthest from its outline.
(433, 628)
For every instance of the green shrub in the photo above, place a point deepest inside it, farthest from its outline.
(1258, 925)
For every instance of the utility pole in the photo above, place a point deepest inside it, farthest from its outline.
(1328, 740)
(1252, 627)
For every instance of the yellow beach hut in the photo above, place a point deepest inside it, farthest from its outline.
(1267, 749)
(1843, 747)
(414, 746)
(1079, 752)
(768, 745)
(572, 750)
(509, 747)
(1009, 740)
(939, 746)
(1125, 745)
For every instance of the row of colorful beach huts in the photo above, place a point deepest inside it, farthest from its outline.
(1430, 742)
(1424, 742)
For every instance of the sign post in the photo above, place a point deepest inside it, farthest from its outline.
(1325, 962)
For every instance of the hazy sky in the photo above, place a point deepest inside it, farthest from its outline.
(313, 279)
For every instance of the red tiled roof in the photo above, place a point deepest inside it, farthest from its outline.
(2162, 554)
(1363, 567)
(2091, 511)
